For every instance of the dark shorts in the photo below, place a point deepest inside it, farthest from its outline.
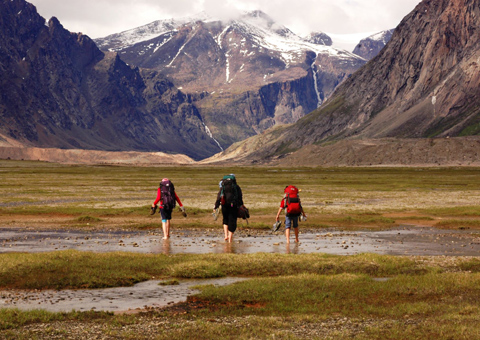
(230, 217)
(291, 221)
(166, 214)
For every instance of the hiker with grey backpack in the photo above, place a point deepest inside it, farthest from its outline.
(168, 198)
(230, 198)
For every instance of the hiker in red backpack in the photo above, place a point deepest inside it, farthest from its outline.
(230, 198)
(167, 197)
(291, 203)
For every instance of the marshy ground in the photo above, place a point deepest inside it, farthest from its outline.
(385, 252)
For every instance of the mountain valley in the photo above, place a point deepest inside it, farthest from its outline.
(248, 88)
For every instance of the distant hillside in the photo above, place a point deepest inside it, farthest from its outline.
(425, 83)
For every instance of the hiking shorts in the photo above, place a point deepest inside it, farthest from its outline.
(230, 217)
(166, 214)
(291, 220)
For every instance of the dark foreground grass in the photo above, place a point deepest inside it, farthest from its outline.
(350, 295)
(308, 296)
(74, 269)
(428, 304)
(13, 318)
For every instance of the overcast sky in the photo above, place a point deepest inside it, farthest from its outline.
(358, 18)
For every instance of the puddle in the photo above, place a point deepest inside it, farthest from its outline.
(406, 240)
(143, 295)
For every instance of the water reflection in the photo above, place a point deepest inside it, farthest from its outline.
(196, 246)
(166, 249)
(291, 249)
(228, 248)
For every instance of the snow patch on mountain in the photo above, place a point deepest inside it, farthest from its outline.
(146, 32)
(266, 33)
(383, 36)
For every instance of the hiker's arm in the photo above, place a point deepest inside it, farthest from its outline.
(159, 197)
(278, 214)
(217, 202)
(282, 206)
(301, 209)
(240, 197)
(178, 200)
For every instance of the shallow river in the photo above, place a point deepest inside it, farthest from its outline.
(405, 240)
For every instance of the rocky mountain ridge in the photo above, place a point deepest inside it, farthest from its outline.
(425, 83)
(243, 75)
(59, 90)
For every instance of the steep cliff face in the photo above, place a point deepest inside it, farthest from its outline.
(424, 83)
(244, 75)
(59, 90)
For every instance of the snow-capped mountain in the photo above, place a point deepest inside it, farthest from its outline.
(118, 41)
(244, 75)
(369, 47)
(425, 83)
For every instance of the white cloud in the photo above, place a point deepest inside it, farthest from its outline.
(98, 18)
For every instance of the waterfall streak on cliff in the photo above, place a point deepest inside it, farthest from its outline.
(319, 98)
(209, 133)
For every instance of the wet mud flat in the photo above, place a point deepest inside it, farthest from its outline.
(404, 240)
(144, 295)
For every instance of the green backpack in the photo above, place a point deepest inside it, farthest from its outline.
(229, 191)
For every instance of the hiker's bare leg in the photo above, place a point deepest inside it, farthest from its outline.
(230, 237)
(168, 228)
(287, 234)
(225, 229)
(296, 234)
(164, 227)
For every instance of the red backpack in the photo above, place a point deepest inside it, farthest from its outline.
(292, 201)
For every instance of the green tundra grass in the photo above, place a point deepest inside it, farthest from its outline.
(287, 296)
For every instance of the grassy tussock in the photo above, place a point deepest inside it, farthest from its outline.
(349, 295)
(73, 269)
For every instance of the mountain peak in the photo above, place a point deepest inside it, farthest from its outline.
(370, 47)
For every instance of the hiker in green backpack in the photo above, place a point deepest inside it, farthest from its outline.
(230, 198)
